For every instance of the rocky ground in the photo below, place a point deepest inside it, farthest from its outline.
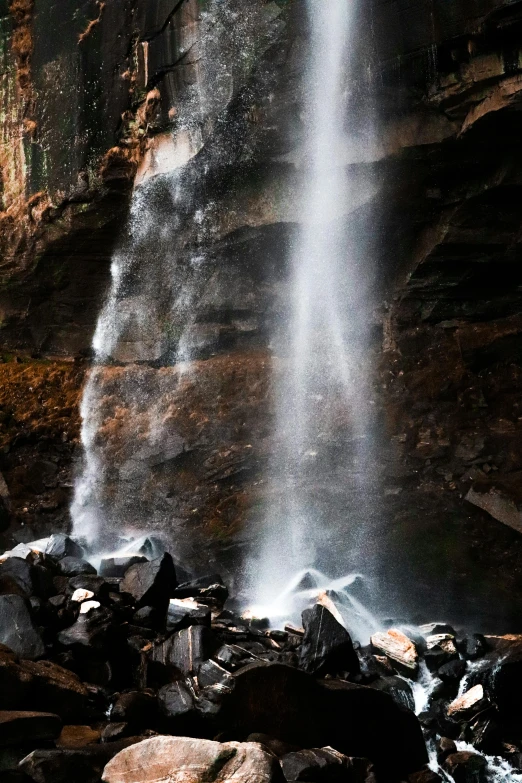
(142, 671)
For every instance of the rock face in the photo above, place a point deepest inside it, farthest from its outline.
(447, 85)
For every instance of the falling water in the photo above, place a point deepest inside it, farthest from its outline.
(321, 391)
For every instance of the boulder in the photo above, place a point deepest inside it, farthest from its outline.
(291, 706)
(327, 647)
(232, 657)
(75, 566)
(51, 687)
(139, 708)
(470, 703)
(17, 727)
(466, 767)
(452, 672)
(151, 583)
(425, 775)
(78, 737)
(17, 630)
(60, 546)
(397, 688)
(118, 566)
(184, 651)
(91, 582)
(323, 764)
(184, 760)
(399, 649)
(183, 612)
(210, 586)
(16, 577)
(71, 765)
(176, 703)
(92, 629)
(211, 673)
(500, 673)
(472, 646)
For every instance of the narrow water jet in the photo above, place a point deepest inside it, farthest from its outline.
(321, 350)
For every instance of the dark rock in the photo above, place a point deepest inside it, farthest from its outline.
(17, 630)
(176, 703)
(74, 566)
(115, 731)
(293, 707)
(17, 727)
(94, 630)
(138, 708)
(484, 734)
(211, 673)
(436, 657)
(434, 629)
(398, 689)
(60, 546)
(210, 587)
(57, 601)
(472, 646)
(466, 767)
(15, 776)
(452, 672)
(324, 764)
(151, 583)
(118, 566)
(327, 647)
(232, 657)
(185, 612)
(185, 651)
(425, 775)
(55, 688)
(96, 584)
(16, 577)
(446, 747)
(147, 617)
(500, 673)
(275, 746)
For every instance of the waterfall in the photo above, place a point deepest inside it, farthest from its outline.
(321, 389)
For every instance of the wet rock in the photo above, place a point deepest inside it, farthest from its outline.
(466, 767)
(398, 689)
(91, 582)
(185, 651)
(183, 612)
(446, 747)
(469, 704)
(75, 566)
(78, 737)
(452, 672)
(211, 587)
(323, 764)
(136, 707)
(16, 577)
(484, 734)
(232, 656)
(472, 646)
(179, 759)
(118, 566)
(211, 673)
(500, 673)
(17, 727)
(151, 583)
(93, 629)
(327, 647)
(115, 731)
(17, 630)
(399, 649)
(291, 706)
(60, 546)
(441, 649)
(176, 703)
(425, 775)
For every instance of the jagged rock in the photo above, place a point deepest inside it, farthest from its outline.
(291, 706)
(473, 646)
(399, 649)
(232, 657)
(115, 731)
(327, 647)
(469, 704)
(466, 767)
(78, 737)
(136, 707)
(176, 703)
(452, 672)
(17, 727)
(500, 673)
(211, 673)
(91, 582)
(398, 689)
(17, 630)
(75, 566)
(118, 566)
(147, 617)
(60, 546)
(16, 577)
(184, 760)
(185, 611)
(151, 583)
(207, 587)
(324, 764)
(64, 765)
(93, 629)
(185, 650)
(441, 649)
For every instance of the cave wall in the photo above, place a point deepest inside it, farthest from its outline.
(83, 112)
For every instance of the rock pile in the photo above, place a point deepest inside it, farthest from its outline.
(140, 673)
